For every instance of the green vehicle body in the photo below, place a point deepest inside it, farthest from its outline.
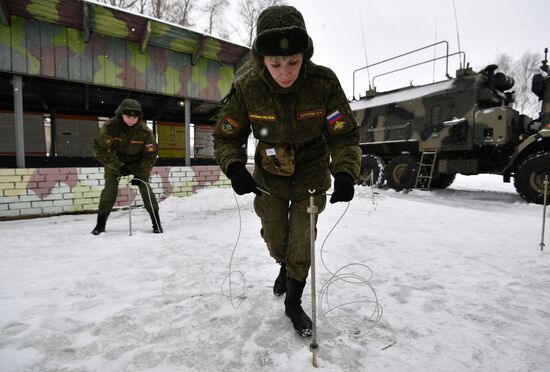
(463, 125)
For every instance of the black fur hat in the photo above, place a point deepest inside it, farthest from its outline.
(129, 107)
(281, 31)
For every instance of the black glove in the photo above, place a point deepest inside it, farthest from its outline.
(124, 171)
(136, 181)
(343, 188)
(241, 179)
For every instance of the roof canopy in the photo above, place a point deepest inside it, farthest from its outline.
(91, 17)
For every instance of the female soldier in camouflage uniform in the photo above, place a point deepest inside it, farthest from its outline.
(306, 132)
(125, 145)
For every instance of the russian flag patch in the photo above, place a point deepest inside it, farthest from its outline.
(334, 117)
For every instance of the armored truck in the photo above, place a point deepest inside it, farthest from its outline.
(422, 136)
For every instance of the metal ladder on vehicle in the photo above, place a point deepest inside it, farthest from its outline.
(425, 172)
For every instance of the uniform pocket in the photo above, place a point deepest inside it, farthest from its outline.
(277, 159)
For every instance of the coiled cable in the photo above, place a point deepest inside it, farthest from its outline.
(231, 272)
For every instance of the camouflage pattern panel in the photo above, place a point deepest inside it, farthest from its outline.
(493, 126)
(178, 39)
(438, 116)
(6, 50)
(545, 117)
(51, 11)
(107, 21)
(43, 49)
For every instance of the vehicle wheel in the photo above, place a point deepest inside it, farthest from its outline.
(375, 164)
(529, 178)
(401, 172)
(443, 181)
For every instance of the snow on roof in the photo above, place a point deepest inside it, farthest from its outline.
(404, 94)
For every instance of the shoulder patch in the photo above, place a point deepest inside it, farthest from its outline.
(230, 126)
(336, 122)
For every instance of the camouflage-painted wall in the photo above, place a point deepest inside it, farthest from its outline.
(33, 47)
(47, 191)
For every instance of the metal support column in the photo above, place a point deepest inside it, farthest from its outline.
(18, 113)
(187, 132)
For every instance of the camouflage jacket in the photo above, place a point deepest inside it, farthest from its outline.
(304, 132)
(118, 145)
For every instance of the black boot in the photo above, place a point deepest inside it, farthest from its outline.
(101, 221)
(293, 309)
(279, 287)
(155, 219)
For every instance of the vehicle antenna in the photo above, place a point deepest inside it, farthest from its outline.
(457, 33)
(435, 41)
(364, 46)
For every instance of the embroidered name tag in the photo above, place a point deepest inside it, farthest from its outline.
(262, 117)
(309, 114)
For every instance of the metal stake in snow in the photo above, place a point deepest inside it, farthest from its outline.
(372, 184)
(544, 211)
(129, 207)
(313, 210)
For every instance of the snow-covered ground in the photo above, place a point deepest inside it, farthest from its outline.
(458, 272)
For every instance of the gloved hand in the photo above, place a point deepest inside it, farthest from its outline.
(241, 179)
(343, 188)
(124, 171)
(136, 181)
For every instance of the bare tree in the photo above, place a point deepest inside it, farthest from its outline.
(141, 6)
(180, 12)
(505, 63)
(159, 8)
(123, 4)
(248, 15)
(214, 9)
(524, 69)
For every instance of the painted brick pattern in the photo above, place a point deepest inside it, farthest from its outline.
(47, 191)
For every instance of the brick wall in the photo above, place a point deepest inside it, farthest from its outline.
(46, 191)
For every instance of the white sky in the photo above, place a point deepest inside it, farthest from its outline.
(392, 27)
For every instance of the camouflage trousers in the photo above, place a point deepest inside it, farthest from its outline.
(286, 231)
(110, 193)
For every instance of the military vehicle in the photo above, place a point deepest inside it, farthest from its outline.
(422, 136)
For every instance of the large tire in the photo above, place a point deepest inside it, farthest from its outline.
(401, 172)
(529, 178)
(375, 164)
(443, 181)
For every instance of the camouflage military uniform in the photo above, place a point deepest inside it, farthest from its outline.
(125, 150)
(305, 130)
(304, 133)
